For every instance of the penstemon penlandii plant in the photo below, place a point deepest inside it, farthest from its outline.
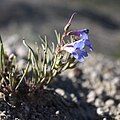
(46, 62)
(64, 56)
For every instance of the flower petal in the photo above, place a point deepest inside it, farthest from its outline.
(78, 56)
(81, 59)
(89, 44)
(78, 32)
(69, 48)
(79, 44)
(84, 53)
(84, 36)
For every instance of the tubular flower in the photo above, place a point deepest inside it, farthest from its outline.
(79, 49)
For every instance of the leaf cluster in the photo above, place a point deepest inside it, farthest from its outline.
(43, 64)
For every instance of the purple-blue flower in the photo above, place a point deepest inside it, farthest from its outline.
(79, 49)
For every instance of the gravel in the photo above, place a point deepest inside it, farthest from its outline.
(97, 82)
(89, 92)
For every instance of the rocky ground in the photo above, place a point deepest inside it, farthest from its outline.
(97, 83)
(89, 92)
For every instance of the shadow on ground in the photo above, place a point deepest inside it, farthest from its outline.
(88, 110)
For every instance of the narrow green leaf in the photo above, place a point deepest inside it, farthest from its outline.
(57, 36)
(45, 42)
(33, 57)
(25, 72)
(2, 60)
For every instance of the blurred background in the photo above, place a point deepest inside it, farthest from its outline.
(30, 18)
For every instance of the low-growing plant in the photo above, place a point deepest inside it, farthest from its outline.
(44, 63)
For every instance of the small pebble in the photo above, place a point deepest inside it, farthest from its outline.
(100, 111)
(57, 112)
(119, 105)
(2, 96)
(91, 96)
(98, 102)
(109, 102)
(99, 90)
(94, 75)
(117, 117)
(2, 115)
(74, 98)
(104, 118)
(60, 91)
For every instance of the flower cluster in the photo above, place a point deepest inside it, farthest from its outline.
(78, 48)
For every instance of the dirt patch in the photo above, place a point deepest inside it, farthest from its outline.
(47, 105)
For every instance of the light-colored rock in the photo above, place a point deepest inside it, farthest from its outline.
(98, 102)
(60, 91)
(91, 97)
(57, 112)
(100, 111)
(109, 102)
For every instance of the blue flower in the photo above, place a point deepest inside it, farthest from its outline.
(79, 49)
(80, 33)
